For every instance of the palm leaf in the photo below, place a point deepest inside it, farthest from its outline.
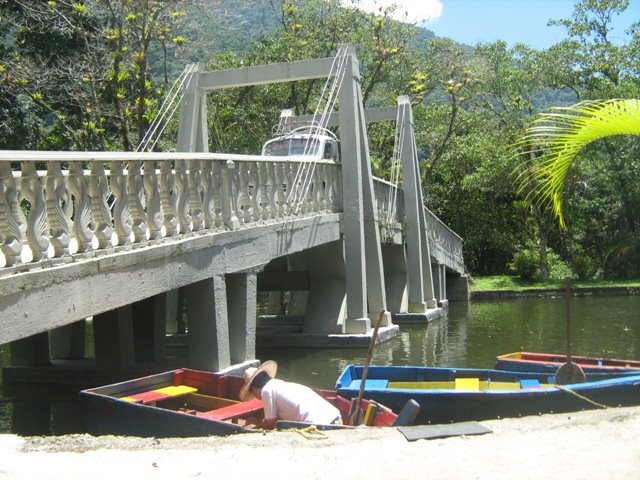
(556, 137)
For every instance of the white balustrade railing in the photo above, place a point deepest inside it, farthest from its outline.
(443, 242)
(54, 205)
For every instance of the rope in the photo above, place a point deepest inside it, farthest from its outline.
(573, 392)
(310, 433)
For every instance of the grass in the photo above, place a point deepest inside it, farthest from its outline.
(506, 282)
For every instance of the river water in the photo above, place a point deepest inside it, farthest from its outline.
(471, 335)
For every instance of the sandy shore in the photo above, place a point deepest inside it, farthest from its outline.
(602, 445)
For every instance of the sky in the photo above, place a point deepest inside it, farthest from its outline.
(514, 21)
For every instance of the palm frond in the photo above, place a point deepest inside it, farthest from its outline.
(555, 138)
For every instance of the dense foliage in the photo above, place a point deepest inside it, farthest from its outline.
(91, 75)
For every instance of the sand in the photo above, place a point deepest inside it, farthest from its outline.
(598, 444)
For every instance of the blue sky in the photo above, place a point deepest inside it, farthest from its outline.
(473, 21)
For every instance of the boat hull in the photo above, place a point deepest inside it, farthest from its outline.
(443, 404)
(549, 363)
(188, 403)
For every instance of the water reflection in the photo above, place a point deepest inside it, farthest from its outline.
(472, 335)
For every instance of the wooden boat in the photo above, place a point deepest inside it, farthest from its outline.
(459, 394)
(185, 402)
(550, 362)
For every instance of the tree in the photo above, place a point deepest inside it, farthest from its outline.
(555, 141)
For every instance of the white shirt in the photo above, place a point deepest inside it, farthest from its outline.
(292, 401)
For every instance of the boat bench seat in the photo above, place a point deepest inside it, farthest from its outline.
(234, 411)
(370, 383)
(153, 396)
(529, 383)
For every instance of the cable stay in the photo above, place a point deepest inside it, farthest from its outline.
(304, 175)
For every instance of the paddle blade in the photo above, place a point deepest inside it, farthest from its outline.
(569, 373)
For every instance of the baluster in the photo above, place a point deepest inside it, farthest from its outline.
(33, 192)
(81, 208)
(182, 194)
(256, 192)
(244, 198)
(121, 216)
(271, 190)
(100, 213)
(319, 187)
(208, 212)
(195, 198)
(167, 199)
(10, 235)
(337, 189)
(55, 197)
(217, 186)
(135, 187)
(228, 195)
(152, 199)
(326, 188)
(282, 189)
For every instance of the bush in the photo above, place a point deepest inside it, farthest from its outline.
(525, 264)
(558, 268)
(583, 267)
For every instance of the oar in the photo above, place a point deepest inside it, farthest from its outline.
(356, 414)
(569, 372)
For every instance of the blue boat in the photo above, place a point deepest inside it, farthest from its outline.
(461, 394)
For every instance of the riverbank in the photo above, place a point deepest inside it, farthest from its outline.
(503, 287)
(597, 444)
(553, 292)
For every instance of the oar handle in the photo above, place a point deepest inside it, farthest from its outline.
(567, 295)
(367, 361)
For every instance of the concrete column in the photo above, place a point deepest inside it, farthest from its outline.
(442, 269)
(357, 320)
(149, 328)
(395, 270)
(173, 310)
(421, 296)
(113, 338)
(241, 293)
(192, 130)
(458, 288)
(326, 303)
(208, 324)
(437, 279)
(68, 341)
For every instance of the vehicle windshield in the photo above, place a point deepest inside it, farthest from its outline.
(292, 146)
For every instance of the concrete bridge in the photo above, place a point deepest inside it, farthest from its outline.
(146, 248)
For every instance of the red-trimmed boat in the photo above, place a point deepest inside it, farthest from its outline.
(189, 403)
(550, 362)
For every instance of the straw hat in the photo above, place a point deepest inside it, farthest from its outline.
(250, 373)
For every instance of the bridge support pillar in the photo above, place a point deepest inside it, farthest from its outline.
(458, 288)
(68, 341)
(241, 295)
(208, 324)
(325, 300)
(149, 327)
(395, 278)
(440, 283)
(113, 336)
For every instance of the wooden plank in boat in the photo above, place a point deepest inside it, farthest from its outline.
(237, 410)
(158, 394)
(467, 383)
(484, 385)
